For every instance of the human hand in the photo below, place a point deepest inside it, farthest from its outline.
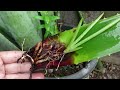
(10, 69)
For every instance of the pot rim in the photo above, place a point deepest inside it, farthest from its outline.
(81, 73)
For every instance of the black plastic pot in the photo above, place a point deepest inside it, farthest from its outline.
(82, 73)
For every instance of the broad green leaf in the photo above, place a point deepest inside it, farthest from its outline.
(66, 36)
(106, 43)
(21, 25)
(5, 42)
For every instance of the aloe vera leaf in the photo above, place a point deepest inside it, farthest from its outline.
(20, 26)
(77, 30)
(88, 29)
(36, 23)
(66, 36)
(104, 44)
(5, 43)
(70, 46)
(98, 32)
(76, 42)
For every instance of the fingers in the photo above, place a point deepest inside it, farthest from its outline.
(18, 76)
(25, 76)
(37, 76)
(10, 56)
(17, 68)
(13, 69)
(2, 72)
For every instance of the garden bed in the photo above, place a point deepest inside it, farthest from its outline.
(110, 71)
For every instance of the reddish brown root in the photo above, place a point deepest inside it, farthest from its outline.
(50, 50)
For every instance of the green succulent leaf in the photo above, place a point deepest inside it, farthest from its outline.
(6, 41)
(101, 40)
(21, 25)
(105, 43)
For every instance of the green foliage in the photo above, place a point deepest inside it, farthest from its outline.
(50, 24)
(104, 43)
(5, 42)
(20, 25)
(101, 40)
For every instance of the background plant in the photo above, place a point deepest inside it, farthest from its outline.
(49, 19)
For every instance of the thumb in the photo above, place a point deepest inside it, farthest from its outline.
(37, 76)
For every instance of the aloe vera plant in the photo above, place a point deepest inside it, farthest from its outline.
(81, 44)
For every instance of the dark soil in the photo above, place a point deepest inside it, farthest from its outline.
(64, 70)
(109, 71)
